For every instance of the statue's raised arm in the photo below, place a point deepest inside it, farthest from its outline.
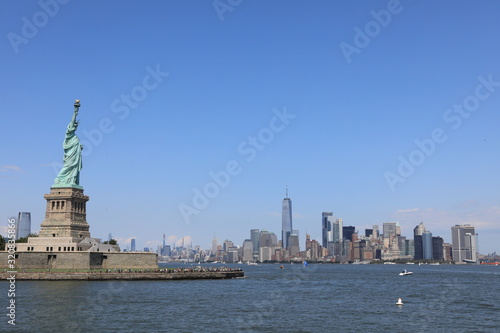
(73, 125)
(69, 176)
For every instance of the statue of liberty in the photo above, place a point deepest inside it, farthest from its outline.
(69, 176)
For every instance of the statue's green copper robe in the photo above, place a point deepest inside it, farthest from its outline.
(70, 173)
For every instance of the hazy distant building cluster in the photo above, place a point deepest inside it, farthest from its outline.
(339, 243)
(343, 243)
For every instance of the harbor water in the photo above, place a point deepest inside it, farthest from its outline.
(315, 298)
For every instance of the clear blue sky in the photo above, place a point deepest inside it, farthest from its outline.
(355, 94)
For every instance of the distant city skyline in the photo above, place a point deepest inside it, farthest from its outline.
(354, 246)
(462, 236)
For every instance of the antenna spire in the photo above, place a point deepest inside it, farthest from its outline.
(286, 187)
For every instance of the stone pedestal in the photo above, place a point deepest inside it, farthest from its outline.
(65, 215)
(64, 241)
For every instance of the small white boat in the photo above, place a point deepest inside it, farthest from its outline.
(399, 302)
(405, 272)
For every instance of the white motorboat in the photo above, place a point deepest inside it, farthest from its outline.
(405, 272)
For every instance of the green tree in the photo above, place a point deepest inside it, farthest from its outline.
(111, 242)
(25, 239)
(2, 243)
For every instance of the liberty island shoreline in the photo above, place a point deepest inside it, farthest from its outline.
(128, 275)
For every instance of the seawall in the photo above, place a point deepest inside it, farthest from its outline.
(103, 276)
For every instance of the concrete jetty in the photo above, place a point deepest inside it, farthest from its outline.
(123, 275)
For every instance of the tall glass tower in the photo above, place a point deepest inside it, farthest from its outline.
(23, 227)
(254, 236)
(326, 226)
(337, 231)
(286, 220)
(427, 244)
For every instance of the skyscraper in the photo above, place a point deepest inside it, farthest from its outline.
(274, 239)
(337, 231)
(403, 250)
(347, 232)
(265, 253)
(418, 231)
(410, 248)
(23, 227)
(437, 248)
(391, 228)
(132, 245)
(335, 238)
(167, 250)
(293, 245)
(391, 231)
(464, 243)
(447, 251)
(375, 232)
(214, 246)
(286, 220)
(264, 239)
(248, 250)
(418, 246)
(227, 245)
(326, 227)
(427, 245)
(254, 236)
(296, 232)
